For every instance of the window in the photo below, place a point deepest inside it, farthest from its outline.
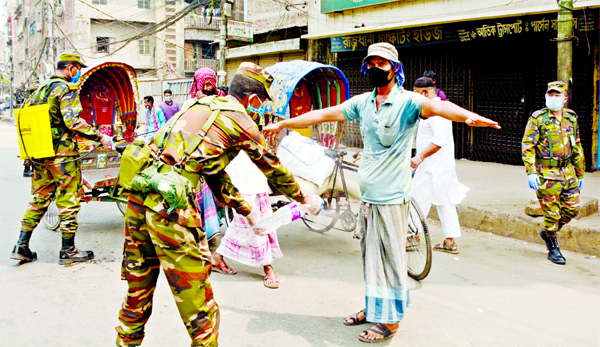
(144, 46)
(144, 4)
(99, 2)
(103, 44)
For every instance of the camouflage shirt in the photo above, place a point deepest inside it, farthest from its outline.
(65, 108)
(231, 133)
(566, 145)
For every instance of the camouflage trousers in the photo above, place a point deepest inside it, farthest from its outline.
(559, 200)
(152, 242)
(61, 182)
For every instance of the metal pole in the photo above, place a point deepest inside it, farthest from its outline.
(10, 81)
(51, 32)
(222, 41)
(564, 41)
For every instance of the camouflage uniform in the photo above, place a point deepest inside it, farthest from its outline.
(558, 192)
(61, 177)
(175, 240)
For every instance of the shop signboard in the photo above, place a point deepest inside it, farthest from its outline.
(240, 31)
(463, 32)
(340, 5)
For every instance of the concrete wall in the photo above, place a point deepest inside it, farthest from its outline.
(399, 14)
(270, 15)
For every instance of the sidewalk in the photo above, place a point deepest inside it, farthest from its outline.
(497, 200)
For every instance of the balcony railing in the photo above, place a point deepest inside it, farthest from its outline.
(191, 65)
(195, 21)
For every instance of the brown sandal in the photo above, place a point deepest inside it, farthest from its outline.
(355, 319)
(448, 248)
(223, 268)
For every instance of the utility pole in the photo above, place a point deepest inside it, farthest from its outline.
(565, 43)
(51, 32)
(222, 43)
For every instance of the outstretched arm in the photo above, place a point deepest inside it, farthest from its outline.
(455, 113)
(329, 114)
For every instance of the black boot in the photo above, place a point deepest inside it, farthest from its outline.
(21, 250)
(69, 254)
(546, 239)
(28, 171)
(554, 254)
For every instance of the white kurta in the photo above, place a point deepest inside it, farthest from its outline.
(435, 181)
(441, 165)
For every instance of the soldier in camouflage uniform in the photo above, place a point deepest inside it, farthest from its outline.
(59, 177)
(155, 238)
(554, 164)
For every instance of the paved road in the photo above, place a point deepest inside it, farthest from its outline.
(496, 292)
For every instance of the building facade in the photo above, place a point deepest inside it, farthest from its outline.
(491, 57)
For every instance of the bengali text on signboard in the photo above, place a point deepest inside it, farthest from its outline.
(240, 31)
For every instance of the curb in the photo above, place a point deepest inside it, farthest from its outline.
(573, 238)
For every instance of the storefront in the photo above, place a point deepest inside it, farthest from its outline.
(498, 68)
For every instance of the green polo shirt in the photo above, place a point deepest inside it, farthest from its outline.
(387, 134)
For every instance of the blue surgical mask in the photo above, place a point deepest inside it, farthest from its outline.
(555, 103)
(75, 78)
(256, 114)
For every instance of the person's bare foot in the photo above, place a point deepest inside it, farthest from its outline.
(378, 334)
(270, 280)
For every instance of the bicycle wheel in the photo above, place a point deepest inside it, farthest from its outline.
(122, 206)
(323, 222)
(50, 219)
(418, 254)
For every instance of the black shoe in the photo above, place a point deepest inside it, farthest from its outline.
(554, 254)
(27, 173)
(69, 254)
(556, 257)
(74, 255)
(546, 239)
(23, 253)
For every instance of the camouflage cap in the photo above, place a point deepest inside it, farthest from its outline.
(558, 86)
(71, 56)
(257, 73)
(382, 49)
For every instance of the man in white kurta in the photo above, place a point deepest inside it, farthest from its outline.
(435, 180)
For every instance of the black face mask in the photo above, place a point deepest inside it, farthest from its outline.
(378, 77)
(209, 92)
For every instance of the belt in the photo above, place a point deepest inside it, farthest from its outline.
(553, 162)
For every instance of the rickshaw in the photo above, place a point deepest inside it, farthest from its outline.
(108, 92)
(300, 86)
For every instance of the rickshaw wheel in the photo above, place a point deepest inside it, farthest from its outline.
(322, 222)
(50, 219)
(122, 207)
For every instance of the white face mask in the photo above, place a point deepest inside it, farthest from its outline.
(555, 103)
(168, 98)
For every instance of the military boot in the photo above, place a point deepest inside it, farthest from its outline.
(21, 250)
(546, 239)
(69, 254)
(554, 254)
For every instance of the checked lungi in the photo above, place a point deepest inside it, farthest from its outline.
(383, 245)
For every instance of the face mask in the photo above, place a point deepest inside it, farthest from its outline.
(555, 103)
(209, 92)
(75, 78)
(378, 77)
(256, 114)
(168, 99)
